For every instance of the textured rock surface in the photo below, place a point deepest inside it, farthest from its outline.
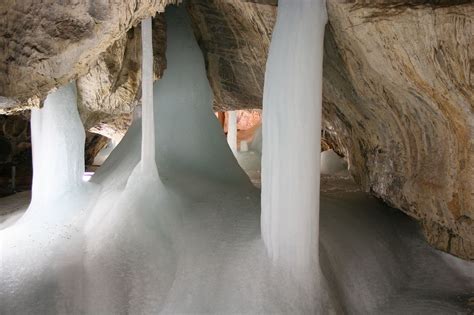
(46, 43)
(234, 37)
(399, 95)
(110, 91)
(94, 144)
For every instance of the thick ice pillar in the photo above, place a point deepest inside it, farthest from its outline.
(291, 137)
(58, 145)
(232, 131)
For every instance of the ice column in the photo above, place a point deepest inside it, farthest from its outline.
(58, 145)
(232, 131)
(291, 137)
(148, 125)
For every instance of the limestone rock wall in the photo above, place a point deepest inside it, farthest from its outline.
(110, 91)
(47, 43)
(399, 95)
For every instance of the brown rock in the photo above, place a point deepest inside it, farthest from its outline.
(234, 37)
(47, 43)
(398, 92)
(110, 91)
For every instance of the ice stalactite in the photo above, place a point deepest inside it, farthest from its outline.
(232, 131)
(291, 137)
(147, 169)
(148, 126)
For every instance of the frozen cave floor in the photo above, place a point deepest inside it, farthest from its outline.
(373, 257)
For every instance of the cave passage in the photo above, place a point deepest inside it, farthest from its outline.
(170, 223)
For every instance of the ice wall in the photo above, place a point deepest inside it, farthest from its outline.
(291, 137)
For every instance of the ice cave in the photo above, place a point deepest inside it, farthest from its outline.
(237, 157)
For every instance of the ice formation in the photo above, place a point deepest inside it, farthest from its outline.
(40, 253)
(148, 163)
(232, 130)
(331, 163)
(56, 155)
(256, 144)
(189, 241)
(291, 142)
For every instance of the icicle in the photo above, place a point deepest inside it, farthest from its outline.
(148, 127)
(232, 131)
(291, 137)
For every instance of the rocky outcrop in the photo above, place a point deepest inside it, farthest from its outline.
(47, 43)
(399, 95)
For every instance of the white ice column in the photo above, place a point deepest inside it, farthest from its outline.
(148, 125)
(58, 145)
(232, 131)
(291, 136)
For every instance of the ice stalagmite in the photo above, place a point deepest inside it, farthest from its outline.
(291, 137)
(232, 131)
